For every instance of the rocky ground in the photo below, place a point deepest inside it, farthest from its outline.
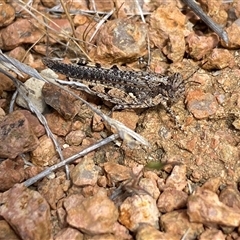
(112, 192)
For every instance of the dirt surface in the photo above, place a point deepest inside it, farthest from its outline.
(112, 193)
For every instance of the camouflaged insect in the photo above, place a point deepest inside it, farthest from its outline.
(126, 89)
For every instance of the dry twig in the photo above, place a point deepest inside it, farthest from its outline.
(214, 26)
(69, 160)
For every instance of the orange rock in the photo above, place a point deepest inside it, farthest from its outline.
(29, 215)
